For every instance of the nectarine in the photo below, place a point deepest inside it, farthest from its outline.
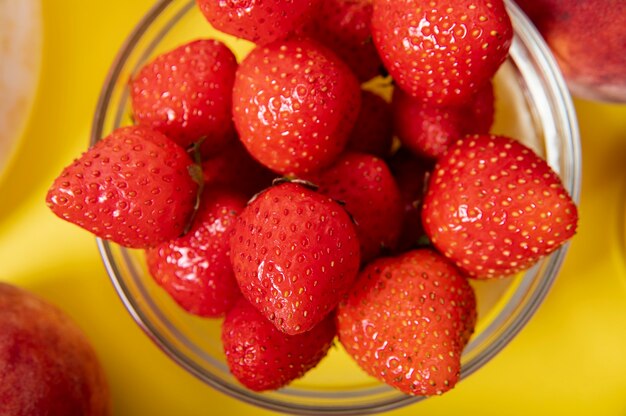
(47, 365)
(588, 39)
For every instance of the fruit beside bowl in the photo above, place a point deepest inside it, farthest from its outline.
(587, 40)
(324, 238)
(47, 365)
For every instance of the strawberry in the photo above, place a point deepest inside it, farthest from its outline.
(235, 168)
(132, 187)
(186, 94)
(259, 21)
(411, 174)
(263, 358)
(294, 105)
(373, 130)
(428, 130)
(366, 187)
(407, 321)
(494, 207)
(441, 51)
(295, 253)
(195, 268)
(478, 115)
(345, 27)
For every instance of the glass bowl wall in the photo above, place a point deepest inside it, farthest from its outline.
(533, 105)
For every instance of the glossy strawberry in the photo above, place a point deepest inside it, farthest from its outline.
(425, 129)
(441, 51)
(345, 27)
(494, 207)
(294, 105)
(428, 130)
(411, 174)
(407, 321)
(295, 253)
(235, 168)
(195, 268)
(373, 130)
(132, 187)
(259, 21)
(186, 94)
(263, 358)
(366, 187)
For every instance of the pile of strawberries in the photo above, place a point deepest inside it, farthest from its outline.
(278, 193)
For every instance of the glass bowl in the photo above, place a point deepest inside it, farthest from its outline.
(533, 104)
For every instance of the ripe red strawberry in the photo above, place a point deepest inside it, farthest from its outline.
(263, 358)
(373, 130)
(186, 94)
(366, 186)
(295, 253)
(132, 187)
(407, 321)
(259, 21)
(411, 174)
(235, 168)
(294, 105)
(429, 130)
(345, 27)
(495, 208)
(478, 115)
(441, 51)
(195, 268)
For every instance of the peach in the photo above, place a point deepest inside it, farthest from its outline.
(47, 365)
(588, 39)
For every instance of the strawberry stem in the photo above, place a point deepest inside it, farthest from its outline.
(287, 179)
(292, 179)
(197, 175)
(194, 150)
(423, 241)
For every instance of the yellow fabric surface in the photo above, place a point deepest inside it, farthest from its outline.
(570, 359)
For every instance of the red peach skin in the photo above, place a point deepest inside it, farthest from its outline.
(47, 366)
(588, 39)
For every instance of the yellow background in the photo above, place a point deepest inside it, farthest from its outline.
(571, 358)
